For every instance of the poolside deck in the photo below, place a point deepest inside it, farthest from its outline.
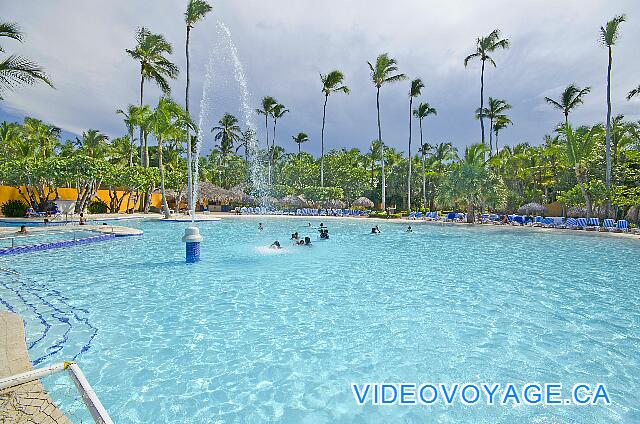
(27, 403)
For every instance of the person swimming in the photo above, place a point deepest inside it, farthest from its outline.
(275, 245)
(260, 227)
(324, 234)
(409, 230)
(375, 230)
(307, 241)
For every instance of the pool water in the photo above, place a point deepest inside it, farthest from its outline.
(253, 335)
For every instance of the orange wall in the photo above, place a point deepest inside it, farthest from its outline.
(11, 193)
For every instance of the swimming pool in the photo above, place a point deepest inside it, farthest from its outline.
(254, 335)
(40, 237)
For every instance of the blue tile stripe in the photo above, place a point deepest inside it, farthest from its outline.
(54, 245)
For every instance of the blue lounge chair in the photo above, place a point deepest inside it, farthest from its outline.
(623, 225)
(609, 224)
(547, 222)
(412, 215)
(593, 224)
(537, 221)
(517, 219)
(571, 223)
(451, 216)
(418, 215)
(582, 223)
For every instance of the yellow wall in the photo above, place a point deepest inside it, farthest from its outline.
(11, 193)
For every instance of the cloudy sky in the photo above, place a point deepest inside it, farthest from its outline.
(284, 45)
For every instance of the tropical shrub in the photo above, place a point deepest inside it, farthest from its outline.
(97, 206)
(14, 208)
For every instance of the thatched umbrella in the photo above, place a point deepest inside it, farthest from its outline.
(208, 191)
(363, 202)
(335, 204)
(294, 202)
(532, 208)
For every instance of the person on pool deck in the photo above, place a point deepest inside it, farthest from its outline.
(409, 230)
(307, 241)
(83, 220)
(260, 227)
(505, 220)
(23, 229)
(275, 245)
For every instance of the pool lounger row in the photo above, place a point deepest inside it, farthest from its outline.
(302, 211)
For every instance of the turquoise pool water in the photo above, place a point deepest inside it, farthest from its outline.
(251, 335)
(39, 237)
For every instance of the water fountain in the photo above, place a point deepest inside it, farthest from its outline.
(223, 52)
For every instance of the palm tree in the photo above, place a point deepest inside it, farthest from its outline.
(150, 51)
(277, 112)
(571, 97)
(93, 143)
(609, 34)
(196, 11)
(130, 124)
(268, 103)
(416, 88)
(331, 83)
(579, 144)
(384, 72)
(16, 70)
(485, 46)
(141, 117)
(299, 139)
(493, 111)
(247, 137)
(633, 93)
(169, 121)
(228, 131)
(42, 137)
(422, 111)
(501, 123)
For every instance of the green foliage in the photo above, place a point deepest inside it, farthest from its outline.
(322, 194)
(97, 206)
(14, 208)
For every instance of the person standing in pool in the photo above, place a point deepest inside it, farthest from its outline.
(260, 227)
(23, 229)
(275, 245)
(307, 241)
(83, 220)
(375, 230)
(409, 230)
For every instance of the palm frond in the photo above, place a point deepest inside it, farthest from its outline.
(16, 70)
(633, 93)
(609, 33)
(196, 10)
(10, 30)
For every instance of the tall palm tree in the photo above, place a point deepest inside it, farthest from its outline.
(485, 46)
(633, 93)
(129, 122)
(150, 51)
(268, 102)
(501, 123)
(247, 137)
(299, 139)
(16, 70)
(579, 144)
(495, 108)
(416, 88)
(331, 83)
(609, 34)
(196, 11)
(277, 112)
(383, 72)
(571, 97)
(422, 111)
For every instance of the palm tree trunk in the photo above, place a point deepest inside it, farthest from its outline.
(143, 148)
(324, 114)
(384, 189)
(608, 133)
(266, 130)
(189, 158)
(131, 146)
(490, 136)
(165, 206)
(497, 143)
(424, 171)
(273, 146)
(299, 165)
(482, 101)
(409, 177)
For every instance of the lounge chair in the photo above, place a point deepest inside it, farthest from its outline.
(593, 224)
(418, 215)
(582, 223)
(547, 222)
(451, 216)
(412, 215)
(571, 223)
(537, 222)
(609, 224)
(517, 219)
(623, 225)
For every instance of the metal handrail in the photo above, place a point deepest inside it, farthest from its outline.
(89, 397)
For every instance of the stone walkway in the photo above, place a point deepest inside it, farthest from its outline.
(27, 403)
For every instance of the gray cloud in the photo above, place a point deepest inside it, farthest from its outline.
(284, 45)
